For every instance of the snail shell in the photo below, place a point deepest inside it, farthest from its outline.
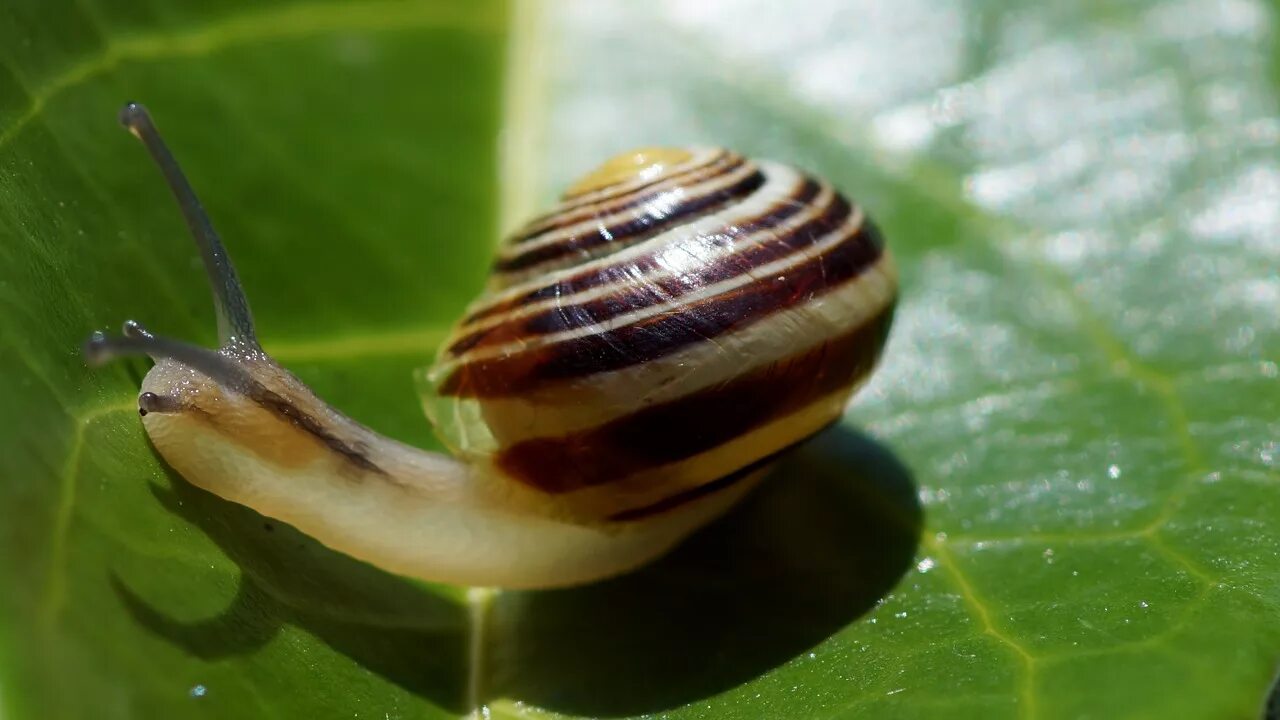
(678, 316)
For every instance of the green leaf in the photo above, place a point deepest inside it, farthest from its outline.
(346, 152)
(1056, 499)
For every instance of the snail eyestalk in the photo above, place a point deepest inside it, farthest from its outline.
(149, 402)
(235, 322)
(101, 348)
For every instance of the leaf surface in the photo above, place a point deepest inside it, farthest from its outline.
(346, 153)
(1056, 499)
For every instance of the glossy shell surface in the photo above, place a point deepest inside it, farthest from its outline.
(678, 318)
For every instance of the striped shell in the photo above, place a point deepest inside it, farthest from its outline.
(677, 319)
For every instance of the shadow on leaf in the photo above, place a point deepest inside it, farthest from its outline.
(817, 546)
(813, 549)
(388, 625)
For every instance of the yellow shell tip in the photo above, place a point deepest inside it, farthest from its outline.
(641, 163)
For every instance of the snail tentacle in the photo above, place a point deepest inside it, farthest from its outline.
(149, 402)
(224, 370)
(235, 322)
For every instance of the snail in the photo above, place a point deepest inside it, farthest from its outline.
(641, 355)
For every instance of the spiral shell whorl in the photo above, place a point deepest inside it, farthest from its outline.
(642, 164)
(660, 331)
(623, 210)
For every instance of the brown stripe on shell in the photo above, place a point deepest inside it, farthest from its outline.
(640, 226)
(665, 333)
(699, 492)
(627, 270)
(640, 293)
(680, 429)
(567, 214)
(671, 502)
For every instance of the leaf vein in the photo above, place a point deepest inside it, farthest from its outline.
(979, 610)
(292, 22)
(54, 596)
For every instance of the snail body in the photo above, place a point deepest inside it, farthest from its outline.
(641, 354)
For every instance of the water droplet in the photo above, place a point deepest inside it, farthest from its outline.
(925, 565)
(900, 615)
(1143, 604)
(198, 691)
(1113, 471)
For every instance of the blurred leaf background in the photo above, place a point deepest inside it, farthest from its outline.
(1057, 499)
